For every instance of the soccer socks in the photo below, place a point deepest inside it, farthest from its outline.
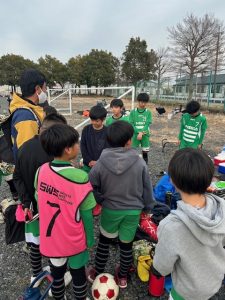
(79, 283)
(102, 254)
(126, 258)
(35, 259)
(145, 156)
(58, 286)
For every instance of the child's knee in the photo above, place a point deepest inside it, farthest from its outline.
(58, 267)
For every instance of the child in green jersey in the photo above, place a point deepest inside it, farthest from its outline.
(193, 127)
(116, 106)
(141, 118)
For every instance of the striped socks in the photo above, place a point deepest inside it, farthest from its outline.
(79, 283)
(126, 258)
(36, 260)
(102, 254)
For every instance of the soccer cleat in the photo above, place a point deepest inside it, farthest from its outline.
(97, 210)
(122, 282)
(91, 274)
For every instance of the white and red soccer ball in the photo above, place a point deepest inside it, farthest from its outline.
(104, 287)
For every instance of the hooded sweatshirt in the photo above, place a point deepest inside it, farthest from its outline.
(190, 247)
(121, 179)
(26, 121)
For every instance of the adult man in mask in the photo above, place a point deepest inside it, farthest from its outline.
(27, 113)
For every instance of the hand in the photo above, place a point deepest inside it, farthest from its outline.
(92, 163)
(28, 214)
(178, 142)
(139, 136)
(200, 146)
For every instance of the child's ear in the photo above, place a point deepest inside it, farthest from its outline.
(128, 143)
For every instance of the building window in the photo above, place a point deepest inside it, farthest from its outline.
(201, 89)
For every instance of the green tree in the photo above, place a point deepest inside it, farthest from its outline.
(11, 67)
(74, 69)
(137, 62)
(54, 70)
(99, 68)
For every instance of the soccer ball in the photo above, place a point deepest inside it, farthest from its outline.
(104, 287)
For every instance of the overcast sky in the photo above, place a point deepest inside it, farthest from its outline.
(66, 28)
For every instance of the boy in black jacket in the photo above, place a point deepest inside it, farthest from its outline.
(93, 141)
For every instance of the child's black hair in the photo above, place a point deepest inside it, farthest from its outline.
(98, 112)
(192, 107)
(119, 133)
(55, 117)
(56, 138)
(29, 79)
(116, 103)
(191, 170)
(48, 109)
(144, 97)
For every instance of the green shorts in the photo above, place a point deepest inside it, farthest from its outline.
(145, 143)
(75, 262)
(119, 223)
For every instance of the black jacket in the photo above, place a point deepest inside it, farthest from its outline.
(30, 157)
(92, 143)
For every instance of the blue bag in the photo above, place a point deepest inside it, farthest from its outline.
(34, 293)
(162, 187)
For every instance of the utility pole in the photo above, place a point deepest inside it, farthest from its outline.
(216, 62)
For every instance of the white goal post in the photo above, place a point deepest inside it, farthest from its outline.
(66, 95)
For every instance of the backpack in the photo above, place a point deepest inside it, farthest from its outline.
(6, 153)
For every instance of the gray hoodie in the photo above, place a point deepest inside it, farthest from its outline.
(190, 246)
(121, 179)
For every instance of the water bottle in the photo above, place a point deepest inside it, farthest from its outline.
(156, 283)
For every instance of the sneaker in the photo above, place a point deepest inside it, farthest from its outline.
(97, 210)
(26, 249)
(122, 282)
(67, 280)
(91, 274)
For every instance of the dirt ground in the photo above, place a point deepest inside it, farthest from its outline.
(15, 271)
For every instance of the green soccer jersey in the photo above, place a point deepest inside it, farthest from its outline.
(192, 130)
(112, 119)
(141, 120)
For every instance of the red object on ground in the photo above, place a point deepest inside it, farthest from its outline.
(156, 285)
(97, 210)
(86, 113)
(148, 226)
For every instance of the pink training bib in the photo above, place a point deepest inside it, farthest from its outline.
(61, 228)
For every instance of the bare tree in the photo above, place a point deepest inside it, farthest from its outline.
(194, 43)
(163, 65)
(218, 55)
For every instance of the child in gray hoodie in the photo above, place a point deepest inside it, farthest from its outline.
(121, 180)
(191, 239)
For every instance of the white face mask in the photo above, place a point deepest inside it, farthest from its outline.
(42, 97)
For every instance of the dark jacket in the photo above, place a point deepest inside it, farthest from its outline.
(30, 157)
(92, 143)
(121, 179)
